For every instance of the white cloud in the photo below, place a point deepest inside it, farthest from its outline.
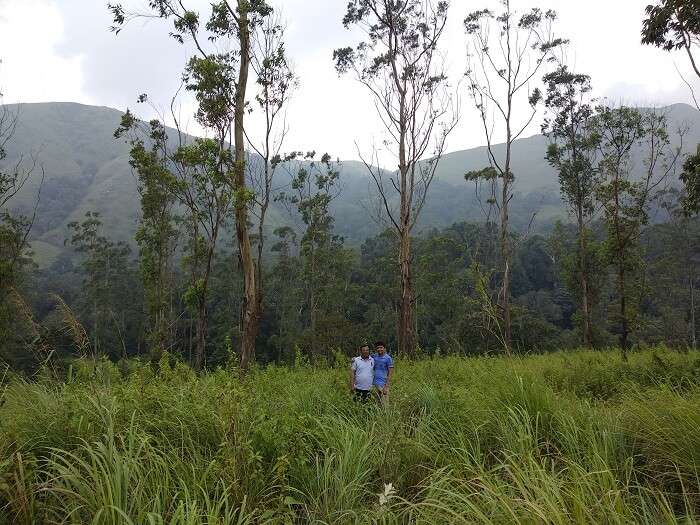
(31, 69)
(63, 50)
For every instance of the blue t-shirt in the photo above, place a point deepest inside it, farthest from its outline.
(382, 364)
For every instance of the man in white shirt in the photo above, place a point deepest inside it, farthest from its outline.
(362, 374)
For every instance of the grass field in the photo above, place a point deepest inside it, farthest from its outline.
(576, 437)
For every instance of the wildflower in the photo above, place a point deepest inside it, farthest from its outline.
(388, 492)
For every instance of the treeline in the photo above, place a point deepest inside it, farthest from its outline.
(211, 278)
(313, 315)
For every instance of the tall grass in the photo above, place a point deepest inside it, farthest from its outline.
(577, 437)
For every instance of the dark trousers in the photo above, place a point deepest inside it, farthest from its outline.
(361, 395)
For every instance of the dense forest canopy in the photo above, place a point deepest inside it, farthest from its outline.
(123, 238)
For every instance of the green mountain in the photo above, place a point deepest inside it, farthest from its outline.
(87, 169)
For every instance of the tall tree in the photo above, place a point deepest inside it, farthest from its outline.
(219, 81)
(625, 198)
(673, 270)
(157, 233)
(104, 264)
(314, 185)
(276, 82)
(285, 295)
(572, 151)
(499, 76)
(190, 175)
(202, 188)
(399, 65)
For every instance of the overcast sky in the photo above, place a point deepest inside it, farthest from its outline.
(62, 50)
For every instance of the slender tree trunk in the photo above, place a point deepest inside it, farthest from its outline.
(95, 345)
(505, 254)
(406, 336)
(623, 310)
(583, 272)
(692, 312)
(505, 241)
(193, 283)
(201, 328)
(620, 256)
(250, 315)
(313, 307)
(158, 342)
(407, 344)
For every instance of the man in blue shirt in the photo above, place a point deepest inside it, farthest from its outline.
(383, 368)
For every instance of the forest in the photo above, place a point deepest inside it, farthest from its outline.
(547, 372)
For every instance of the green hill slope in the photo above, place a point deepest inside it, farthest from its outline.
(87, 169)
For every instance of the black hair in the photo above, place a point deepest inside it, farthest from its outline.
(362, 345)
(379, 343)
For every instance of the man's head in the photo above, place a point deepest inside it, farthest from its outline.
(380, 347)
(364, 351)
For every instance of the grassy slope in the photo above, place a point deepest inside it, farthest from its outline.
(576, 437)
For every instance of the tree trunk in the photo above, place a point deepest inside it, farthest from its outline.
(202, 315)
(200, 353)
(623, 311)
(250, 315)
(505, 240)
(313, 307)
(692, 312)
(406, 336)
(583, 271)
(158, 341)
(505, 255)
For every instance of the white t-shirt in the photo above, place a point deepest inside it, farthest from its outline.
(364, 372)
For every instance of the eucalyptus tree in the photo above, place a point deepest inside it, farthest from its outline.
(104, 263)
(276, 82)
(314, 185)
(506, 53)
(286, 295)
(157, 233)
(625, 198)
(14, 230)
(218, 76)
(201, 187)
(572, 152)
(399, 64)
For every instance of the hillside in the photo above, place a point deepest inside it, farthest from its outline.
(87, 169)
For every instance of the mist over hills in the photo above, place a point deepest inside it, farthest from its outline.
(86, 169)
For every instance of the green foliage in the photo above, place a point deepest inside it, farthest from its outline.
(691, 180)
(625, 201)
(671, 24)
(156, 234)
(325, 265)
(106, 269)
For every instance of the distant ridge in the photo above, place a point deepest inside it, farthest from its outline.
(87, 169)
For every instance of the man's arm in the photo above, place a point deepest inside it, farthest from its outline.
(352, 376)
(389, 371)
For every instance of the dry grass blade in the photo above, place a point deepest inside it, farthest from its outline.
(72, 326)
